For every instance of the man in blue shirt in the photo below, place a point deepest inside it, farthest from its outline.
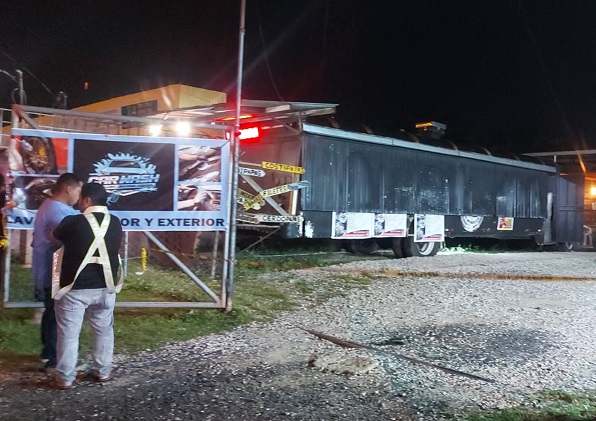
(65, 194)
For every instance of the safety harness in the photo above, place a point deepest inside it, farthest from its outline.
(98, 245)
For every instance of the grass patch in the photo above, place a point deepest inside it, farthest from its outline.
(546, 406)
(255, 299)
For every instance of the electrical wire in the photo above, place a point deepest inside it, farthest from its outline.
(17, 64)
(544, 68)
(265, 56)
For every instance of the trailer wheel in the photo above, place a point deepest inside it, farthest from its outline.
(367, 246)
(566, 247)
(413, 249)
(348, 246)
(398, 247)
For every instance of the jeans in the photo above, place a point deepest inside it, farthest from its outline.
(98, 305)
(48, 329)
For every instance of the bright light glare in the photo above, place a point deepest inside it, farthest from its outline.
(155, 130)
(182, 128)
(249, 133)
(593, 191)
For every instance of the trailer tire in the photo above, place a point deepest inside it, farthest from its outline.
(421, 249)
(397, 244)
(347, 245)
(367, 246)
(565, 247)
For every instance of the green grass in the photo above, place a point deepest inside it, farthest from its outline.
(254, 299)
(546, 406)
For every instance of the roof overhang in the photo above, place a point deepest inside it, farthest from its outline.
(575, 161)
(257, 110)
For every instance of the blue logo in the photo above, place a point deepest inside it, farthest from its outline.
(124, 174)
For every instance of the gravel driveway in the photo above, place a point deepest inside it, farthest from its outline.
(490, 315)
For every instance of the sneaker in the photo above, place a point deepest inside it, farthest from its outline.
(62, 385)
(101, 379)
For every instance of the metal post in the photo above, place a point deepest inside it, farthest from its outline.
(236, 158)
(214, 257)
(125, 263)
(21, 90)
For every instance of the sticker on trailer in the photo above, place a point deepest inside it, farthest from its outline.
(429, 228)
(391, 225)
(278, 218)
(253, 172)
(504, 223)
(352, 225)
(282, 167)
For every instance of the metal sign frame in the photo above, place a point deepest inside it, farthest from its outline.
(61, 120)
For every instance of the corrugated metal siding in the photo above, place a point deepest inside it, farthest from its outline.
(352, 176)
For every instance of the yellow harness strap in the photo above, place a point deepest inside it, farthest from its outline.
(98, 245)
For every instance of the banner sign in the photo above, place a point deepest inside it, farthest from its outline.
(279, 218)
(391, 225)
(282, 167)
(245, 197)
(352, 225)
(254, 203)
(253, 172)
(505, 223)
(155, 184)
(274, 191)
(429, 228)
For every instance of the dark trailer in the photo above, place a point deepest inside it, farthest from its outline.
(467, 194)
(409, 193)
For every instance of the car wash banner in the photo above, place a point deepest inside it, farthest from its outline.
(155, 184)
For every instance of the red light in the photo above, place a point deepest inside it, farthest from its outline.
(251, 134)
(248, 134)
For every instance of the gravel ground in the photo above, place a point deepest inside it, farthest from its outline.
(487, 314)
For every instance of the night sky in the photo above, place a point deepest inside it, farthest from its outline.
(510, 75)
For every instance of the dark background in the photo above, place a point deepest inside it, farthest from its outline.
(510, 75)
(89, 152)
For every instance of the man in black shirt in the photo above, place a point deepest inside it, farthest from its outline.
(87, 283)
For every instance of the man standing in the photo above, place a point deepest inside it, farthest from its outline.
(65, 193)
(86, 284)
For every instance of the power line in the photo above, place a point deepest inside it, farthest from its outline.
(265, 55)
(26, 70)
(544, 68)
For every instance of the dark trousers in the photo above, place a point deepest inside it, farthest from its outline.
(48, 329)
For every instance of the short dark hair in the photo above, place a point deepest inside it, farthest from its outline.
(96, 192)
(67, 179)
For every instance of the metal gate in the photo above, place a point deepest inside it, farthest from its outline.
(27, 117)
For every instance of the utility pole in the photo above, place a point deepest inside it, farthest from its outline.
(231, 244)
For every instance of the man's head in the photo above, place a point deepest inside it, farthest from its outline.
(93, 194)
(67, 189)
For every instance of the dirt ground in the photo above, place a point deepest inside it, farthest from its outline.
(522, 321)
